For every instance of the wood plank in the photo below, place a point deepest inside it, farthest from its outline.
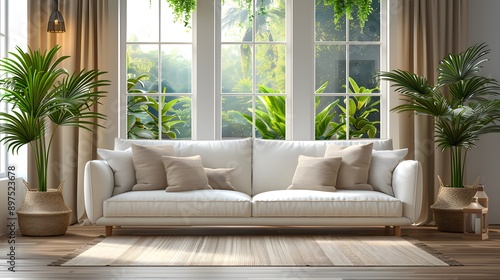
(480, 258)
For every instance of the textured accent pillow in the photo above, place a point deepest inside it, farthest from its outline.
(149, 170)
(353, 172)
(220, 178)
(123, 168)
(316, 173)
(381, 168)
(185, 173)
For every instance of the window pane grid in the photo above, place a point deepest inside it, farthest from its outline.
(159, 72)
(252, 70)
(344, 68)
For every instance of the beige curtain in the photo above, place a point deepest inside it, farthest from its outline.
(427, 30)
(72, 147)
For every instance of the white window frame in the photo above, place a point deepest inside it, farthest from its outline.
(300, 61)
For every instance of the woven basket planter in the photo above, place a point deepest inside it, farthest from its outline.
(43, 214)
(448, 208)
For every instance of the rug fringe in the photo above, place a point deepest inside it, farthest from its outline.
(77, 252)
(429, 250)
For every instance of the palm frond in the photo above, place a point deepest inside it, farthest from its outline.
(407, 83)
(462, 66)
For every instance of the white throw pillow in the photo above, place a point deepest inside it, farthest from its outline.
(123, 168)
(220, 178)
(149, 170)
(185, 173)
(353, 172)
(316, 173)
(382, 166)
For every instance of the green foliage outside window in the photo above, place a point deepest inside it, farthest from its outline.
(270, 121)
(142, 113)
(360, 109)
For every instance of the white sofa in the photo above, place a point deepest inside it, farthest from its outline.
(263, 169)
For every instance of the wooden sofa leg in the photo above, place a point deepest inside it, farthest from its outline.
(397, 230)
(109, 230)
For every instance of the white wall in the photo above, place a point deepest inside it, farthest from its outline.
(485, 160)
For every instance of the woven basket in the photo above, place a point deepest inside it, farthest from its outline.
(44, 213)
(448, 208)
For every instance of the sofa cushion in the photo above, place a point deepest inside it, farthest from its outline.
(354, 170)
(220, 178)
(123, 168)
(342, 203)
(235, 154)
(149, 170)
(274, 161)
(316, 173)
(381, 168)
(198, 203)
(185, 174)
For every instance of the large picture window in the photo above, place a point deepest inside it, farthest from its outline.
(252, 89)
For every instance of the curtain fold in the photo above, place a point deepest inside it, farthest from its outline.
(72, 147)
(427, 31)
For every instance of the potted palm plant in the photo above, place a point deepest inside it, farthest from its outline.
(464, 106)
(43, 96)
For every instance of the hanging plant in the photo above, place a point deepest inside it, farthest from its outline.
(345, 7)
(183, 9)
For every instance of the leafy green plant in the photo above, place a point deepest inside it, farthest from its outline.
(462, 104)
(346, 7)
(360, 108)
(142, 113)
(44, 97)
(270, 123)
(137, 110)
(323, 119)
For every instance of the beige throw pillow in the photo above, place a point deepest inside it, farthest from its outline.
(185, 174)
(220, 178)
(353, 172)
(149, 170)
(314, 173)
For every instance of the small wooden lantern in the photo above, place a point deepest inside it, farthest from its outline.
(475, 221)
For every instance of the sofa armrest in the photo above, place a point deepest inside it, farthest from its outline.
(407, 183)
(97, 186)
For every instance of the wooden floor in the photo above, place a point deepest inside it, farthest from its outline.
(480, 259)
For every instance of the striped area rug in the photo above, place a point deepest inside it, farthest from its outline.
(283, 250)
